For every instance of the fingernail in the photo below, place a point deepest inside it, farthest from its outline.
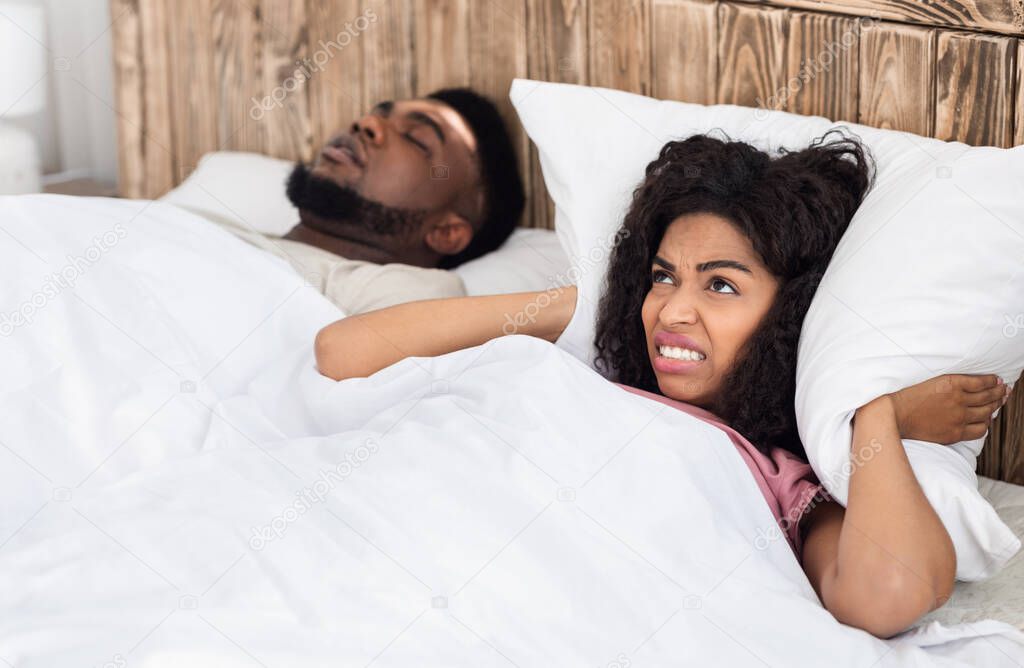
(999, 380)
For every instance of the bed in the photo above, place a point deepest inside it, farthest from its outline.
(949, 69)
(183, 494)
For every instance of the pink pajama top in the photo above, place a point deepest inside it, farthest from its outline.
(787, 482)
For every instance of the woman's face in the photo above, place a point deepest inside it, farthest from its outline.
(709, 291)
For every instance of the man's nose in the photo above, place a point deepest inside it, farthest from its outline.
(371, 127)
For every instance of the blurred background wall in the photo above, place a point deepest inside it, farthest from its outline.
(75, 131)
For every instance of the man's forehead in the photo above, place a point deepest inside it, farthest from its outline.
(442, 112)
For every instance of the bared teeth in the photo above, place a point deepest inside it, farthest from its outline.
(686, 354)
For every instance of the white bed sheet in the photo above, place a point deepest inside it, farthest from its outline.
(1002, 596)
(501, 505)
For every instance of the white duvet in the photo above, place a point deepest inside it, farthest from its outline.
(180, 487)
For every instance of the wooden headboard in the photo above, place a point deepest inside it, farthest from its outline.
(279, 76)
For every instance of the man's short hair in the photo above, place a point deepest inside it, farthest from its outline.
(504, 197)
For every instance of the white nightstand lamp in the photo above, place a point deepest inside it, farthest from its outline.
(22, 93)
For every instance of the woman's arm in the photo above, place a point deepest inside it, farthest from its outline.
(887, 560)
(360, 345)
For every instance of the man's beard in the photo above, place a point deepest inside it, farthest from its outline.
(341, 206)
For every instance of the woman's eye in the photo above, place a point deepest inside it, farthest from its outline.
(719, 281)
(660, 277)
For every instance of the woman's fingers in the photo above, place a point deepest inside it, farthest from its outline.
(997, 394)
(979, 383)
(982, 413)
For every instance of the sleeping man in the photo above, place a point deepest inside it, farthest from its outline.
(410, 190)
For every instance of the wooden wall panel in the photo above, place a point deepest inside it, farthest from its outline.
(441, 57)
(897, 82)
(335, 87)
(1012, 437)
(974, 89)
(497, 55)
(822, 59)
(619, 45)
(129, 97)
(388, 52)
(1018, 134)
(752, 55)
(143, 98)
(1003, 455)
(238, 64)
(684, 50)
(191, 52)
(1002, 16)
(285, 51)
(556, 33)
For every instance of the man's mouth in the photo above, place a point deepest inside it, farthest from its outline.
(344, 150)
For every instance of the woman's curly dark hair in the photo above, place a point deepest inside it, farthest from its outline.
(794, 207)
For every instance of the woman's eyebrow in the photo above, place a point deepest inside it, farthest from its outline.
(710, 265)
(664, 263)
(723, 264)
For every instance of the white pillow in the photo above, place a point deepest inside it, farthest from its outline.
(241, 189)
(923, 283)
(248, 190)
(530, 260)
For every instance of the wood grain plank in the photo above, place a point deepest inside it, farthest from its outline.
(143, 99)
(990, 461)
(497, 54)
(556, 51)
(1018, 123)
(1002, 457)
(442, 44)
(557, 40)
(336, 62)
(238, 59)
(286, 71)
(193, 83)
(618, 34)
(822, 57)
(1012, 446)
(684, 50)
(1001, 16)
(388, 56)
(897, 81)
(751, 56)
(974, 89)
(129, 98)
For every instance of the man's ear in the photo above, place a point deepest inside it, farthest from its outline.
(449, 234)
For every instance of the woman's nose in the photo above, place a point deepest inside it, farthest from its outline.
(678, 309)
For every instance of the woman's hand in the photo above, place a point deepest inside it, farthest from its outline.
(949, 409)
